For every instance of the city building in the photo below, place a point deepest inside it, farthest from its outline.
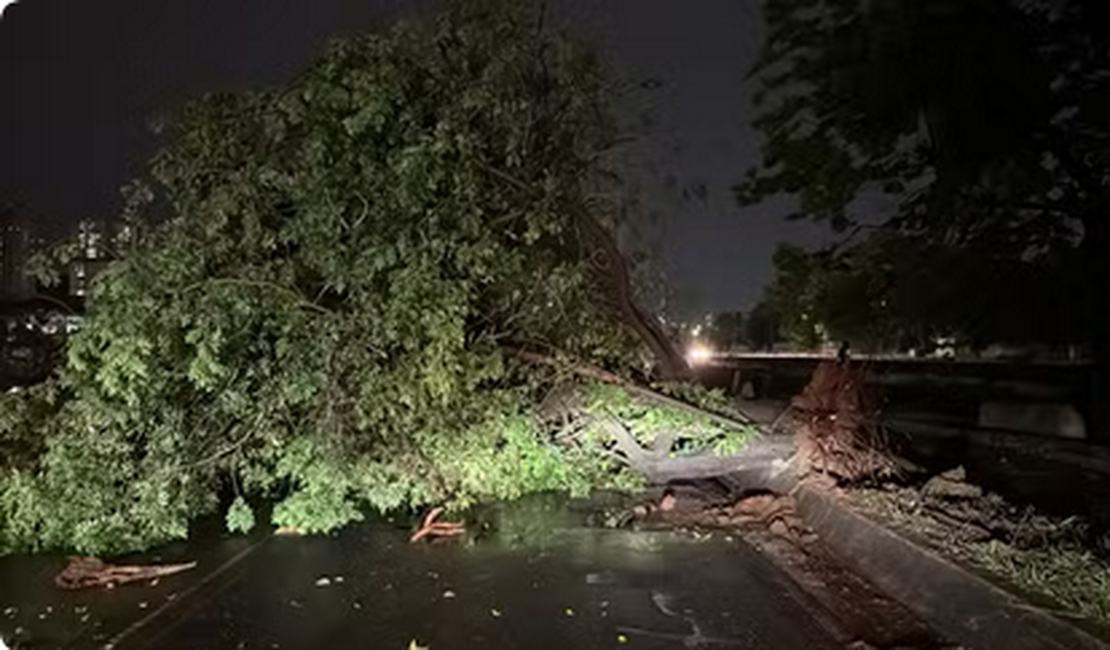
(15, 242)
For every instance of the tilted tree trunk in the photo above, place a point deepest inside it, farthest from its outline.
(614, 274)
(672, 364)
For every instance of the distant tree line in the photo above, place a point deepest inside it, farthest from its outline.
(960, 149)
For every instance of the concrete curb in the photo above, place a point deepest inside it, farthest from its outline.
(964, 607)
(959, 604)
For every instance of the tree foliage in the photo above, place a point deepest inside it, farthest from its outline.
(974, 132)
(893, 292)
(323, 319)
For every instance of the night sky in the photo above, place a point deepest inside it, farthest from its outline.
(80, 79)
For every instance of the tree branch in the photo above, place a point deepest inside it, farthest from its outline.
(589, 371)
(300, 299)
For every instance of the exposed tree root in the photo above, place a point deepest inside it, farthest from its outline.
(836, 427)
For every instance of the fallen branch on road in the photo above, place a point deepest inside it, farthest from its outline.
(87, 572)
(433, 528)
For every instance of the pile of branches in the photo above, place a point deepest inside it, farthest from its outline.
(951, 509)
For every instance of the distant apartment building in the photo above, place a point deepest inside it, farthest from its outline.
(15, 240)
(92, 257)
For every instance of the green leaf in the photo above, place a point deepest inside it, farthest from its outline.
(239, 517)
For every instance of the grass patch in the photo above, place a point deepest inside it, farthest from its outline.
(1056, 562)
(1074, 577)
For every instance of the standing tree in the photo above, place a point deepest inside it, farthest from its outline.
(984, 123)
(761, 327)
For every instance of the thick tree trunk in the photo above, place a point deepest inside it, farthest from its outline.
(766, 455)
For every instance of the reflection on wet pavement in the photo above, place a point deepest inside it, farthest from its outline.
(367, 587)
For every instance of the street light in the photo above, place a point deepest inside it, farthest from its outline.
(698, 353)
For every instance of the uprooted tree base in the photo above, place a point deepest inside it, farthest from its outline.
(835, 421)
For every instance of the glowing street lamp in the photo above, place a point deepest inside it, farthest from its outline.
(698, 353)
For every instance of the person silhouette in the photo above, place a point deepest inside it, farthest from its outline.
(842, 355)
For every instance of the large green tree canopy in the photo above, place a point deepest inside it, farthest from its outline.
(330, 317)
(973, 132)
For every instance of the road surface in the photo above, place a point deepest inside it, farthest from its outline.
(367, 587)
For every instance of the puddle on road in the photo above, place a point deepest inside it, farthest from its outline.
(530, 574)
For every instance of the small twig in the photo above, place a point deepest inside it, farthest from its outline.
(433, 528)
(223, 452)
(508, 178)
(365, 211)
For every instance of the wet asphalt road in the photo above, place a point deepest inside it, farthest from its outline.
(366, 587)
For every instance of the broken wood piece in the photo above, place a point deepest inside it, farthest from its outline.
(87, 572)
(433, 528)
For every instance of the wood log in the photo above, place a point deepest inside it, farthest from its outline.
(765, 454)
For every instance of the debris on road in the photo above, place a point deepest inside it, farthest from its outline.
(696, 507)
(952, 485)
(433, 528)
(87, 572)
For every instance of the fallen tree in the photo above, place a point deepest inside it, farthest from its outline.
(321, 321)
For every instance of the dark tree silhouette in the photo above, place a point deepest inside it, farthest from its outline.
(985, 122)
